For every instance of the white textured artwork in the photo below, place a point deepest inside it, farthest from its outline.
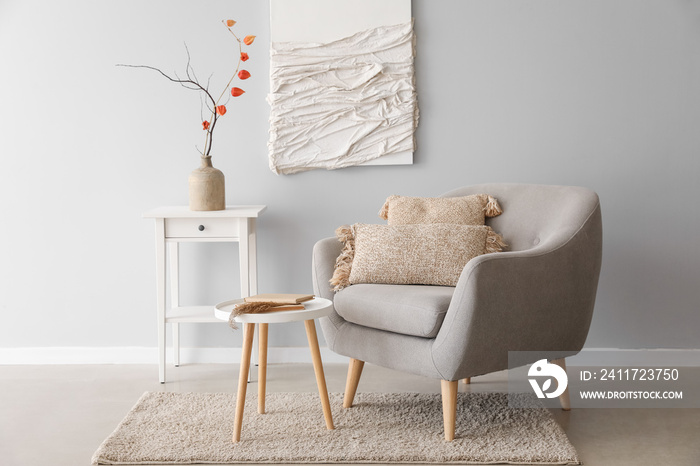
(342, 102)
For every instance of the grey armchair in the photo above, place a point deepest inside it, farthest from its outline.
(537, 296)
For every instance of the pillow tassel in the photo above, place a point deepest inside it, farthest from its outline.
(494, 242)
(343, 264)
(492, 208)
(384, 211)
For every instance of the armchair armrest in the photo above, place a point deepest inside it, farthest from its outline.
(539, 299)
(323, 259)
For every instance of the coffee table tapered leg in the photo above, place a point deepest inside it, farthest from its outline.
(318, 369)
(248, 332)
(262, 366)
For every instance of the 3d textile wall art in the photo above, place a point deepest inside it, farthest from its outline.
(341, 102)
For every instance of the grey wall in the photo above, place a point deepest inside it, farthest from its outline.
(603, 94)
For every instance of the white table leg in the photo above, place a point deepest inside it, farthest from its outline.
(174, 250)
(252, 257)
(244, 258)
(176, 343)
(253, 286)
(160, 295)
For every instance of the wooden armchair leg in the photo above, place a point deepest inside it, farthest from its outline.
(354, 373)
(467, 380)
(564, 397)
(449, 407)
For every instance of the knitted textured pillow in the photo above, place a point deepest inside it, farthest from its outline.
(465, 210)
(429, 254)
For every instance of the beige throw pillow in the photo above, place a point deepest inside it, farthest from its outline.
(430, 254)
(464, 210)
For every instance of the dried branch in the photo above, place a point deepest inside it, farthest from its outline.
(196, 85)
(189, 60)
(192, 83)
(187, 84)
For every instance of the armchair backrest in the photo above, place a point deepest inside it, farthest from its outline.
(535, 216)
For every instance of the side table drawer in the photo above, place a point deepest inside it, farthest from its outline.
(201, 228)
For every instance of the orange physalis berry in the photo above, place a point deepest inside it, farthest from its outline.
(244, 56)
(247, 40)
(243, 74)
(205, 125)
(230, 22)
(221, 110)
(236, 91)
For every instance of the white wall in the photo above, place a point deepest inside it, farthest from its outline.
(594, 93)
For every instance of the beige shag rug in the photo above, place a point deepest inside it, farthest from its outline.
(190, 428)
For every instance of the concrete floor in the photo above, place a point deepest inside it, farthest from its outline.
(59, 415)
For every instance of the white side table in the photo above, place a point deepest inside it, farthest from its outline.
(313, 309)
(178, 224)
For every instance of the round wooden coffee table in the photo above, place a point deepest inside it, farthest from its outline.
(313, 309)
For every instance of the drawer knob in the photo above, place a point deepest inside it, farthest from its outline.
(201, 227)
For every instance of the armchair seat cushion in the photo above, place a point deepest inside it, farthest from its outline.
(416, 310)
